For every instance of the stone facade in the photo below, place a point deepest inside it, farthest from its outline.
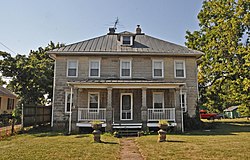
(110, 69)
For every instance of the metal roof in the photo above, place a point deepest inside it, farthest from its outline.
(110, 44)
(6, 92)
(231, 108)
(124, 83)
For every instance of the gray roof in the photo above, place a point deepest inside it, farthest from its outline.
(6, 92)
(231, 108)
(121, 81)
(110, 44)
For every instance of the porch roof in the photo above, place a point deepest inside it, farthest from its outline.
(124, 83)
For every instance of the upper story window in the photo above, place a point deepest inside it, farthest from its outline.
(67, 101)
(158, 69)
(93, 99)
(125, 68)
(158, 101)
(179, 66)
(72, 68)
(10, 103)
(127, 40)
(94, 68)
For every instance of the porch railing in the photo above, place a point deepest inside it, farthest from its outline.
(158, 114)
(86, 114)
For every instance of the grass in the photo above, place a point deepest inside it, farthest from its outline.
(229, 140)
(57, 146)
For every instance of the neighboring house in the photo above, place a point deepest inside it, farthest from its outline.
(8, 101)
(123, 79)
(231, 112)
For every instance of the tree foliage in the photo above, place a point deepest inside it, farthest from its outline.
(224, 37)
(31, 76)
(2, 82)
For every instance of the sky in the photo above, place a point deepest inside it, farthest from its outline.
(28, 24)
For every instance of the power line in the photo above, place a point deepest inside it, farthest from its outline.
(8, 48)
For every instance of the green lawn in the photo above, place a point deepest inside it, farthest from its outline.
(229, 140)
(53, 146)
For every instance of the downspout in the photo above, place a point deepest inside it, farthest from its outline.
(70, 108)
(182, 119)
(53, 99)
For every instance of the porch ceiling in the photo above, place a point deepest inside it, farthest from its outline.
(125, 84)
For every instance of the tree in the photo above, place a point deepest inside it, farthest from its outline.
(224, 37)
(2, 82)
(31, 76)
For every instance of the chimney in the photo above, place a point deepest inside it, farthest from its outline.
(138, 29)
(111, 31)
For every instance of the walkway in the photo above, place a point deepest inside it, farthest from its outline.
(129, 150)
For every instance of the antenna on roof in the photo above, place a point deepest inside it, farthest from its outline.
(116, 23)
(112, 30)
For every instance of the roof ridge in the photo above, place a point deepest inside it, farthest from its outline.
(6, 92)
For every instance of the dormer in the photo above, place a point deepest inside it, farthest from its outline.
(127, 40)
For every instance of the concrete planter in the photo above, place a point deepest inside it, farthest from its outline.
(97, 132)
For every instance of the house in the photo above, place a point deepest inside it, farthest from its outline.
(125, 80)
(231, 112)
(8, 101)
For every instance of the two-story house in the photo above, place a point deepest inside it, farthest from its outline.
(123, 79)
(8, 101)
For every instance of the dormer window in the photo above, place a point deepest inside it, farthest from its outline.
(127, 40)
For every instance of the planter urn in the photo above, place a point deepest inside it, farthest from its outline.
(97, 132)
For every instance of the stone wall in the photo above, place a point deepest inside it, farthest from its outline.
(110, 68)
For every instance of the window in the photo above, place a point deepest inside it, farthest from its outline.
(125, 69)
(94, 68)
(93, 99)
(67, 102)
(183, 101)
(180, 69)
(10, 103)
(72, 68)
(157, 69)
(158, 101)
(127, 40)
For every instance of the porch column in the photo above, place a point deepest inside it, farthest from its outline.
(178, 116)
(74, 111)
(144, 109)
(109, 111)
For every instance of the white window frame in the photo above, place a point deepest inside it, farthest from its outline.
(162, 69)
(130, 70)
(76, 68)
(67, 93)
(131, 95)
(184, 68)
(98, 106)
(183, 104)
(99, 68)
(131, 40)
(163, 103)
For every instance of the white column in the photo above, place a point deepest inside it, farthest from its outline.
(109, 110)
(70, 108)
(182, 121)
(144, 110)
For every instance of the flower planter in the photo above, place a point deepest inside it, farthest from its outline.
(97, 133)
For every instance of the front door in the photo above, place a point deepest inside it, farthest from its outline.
(126, 106)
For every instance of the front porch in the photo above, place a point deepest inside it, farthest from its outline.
(85, 116)
(128, 105)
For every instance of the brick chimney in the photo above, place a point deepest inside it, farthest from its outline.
(138, 29)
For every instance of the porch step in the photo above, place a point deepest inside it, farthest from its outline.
(127, 129)
(127, 132)
(127, 125)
